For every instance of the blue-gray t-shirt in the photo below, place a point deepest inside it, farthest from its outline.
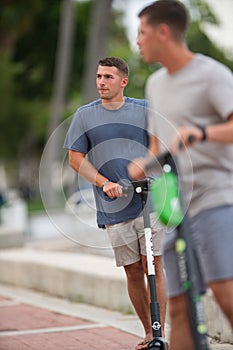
(111, 139)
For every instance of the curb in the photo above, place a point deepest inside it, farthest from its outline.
(77, 277)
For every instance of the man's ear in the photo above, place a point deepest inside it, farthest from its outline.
(124, 82)
(163, 32)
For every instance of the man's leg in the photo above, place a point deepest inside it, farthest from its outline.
(223, 292)
(160, 287)
(180, 337)
(138, 294)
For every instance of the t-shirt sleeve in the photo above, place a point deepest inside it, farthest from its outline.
(151, 113)
(76, 138)
(221, 91)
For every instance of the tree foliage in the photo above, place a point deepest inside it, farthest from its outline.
(29, 31)
(197, 39)
(28, 41)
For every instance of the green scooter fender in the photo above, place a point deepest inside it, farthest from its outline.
(165, 200)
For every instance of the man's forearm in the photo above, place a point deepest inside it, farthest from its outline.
(153, 149)
(221, 132)
(85, 169)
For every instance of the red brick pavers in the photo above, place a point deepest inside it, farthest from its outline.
(26, 327)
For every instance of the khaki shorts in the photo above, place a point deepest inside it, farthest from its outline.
(128, 239)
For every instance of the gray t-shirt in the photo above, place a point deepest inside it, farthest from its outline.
(111, 139)
(200, 93)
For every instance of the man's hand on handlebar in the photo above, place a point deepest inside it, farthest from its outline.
(185, 137)
(113, 190)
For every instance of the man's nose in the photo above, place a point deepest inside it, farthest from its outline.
(102, 81)
(138, 39)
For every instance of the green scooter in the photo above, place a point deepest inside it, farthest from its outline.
(169, 206)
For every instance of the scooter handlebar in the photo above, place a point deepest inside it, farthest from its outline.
(138, 186)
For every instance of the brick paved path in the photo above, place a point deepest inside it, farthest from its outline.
(26, 327)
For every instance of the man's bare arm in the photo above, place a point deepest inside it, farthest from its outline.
(81, 165)
(222, 133)
(137, 166)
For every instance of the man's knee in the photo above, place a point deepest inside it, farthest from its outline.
(178, 307)
(134, 271)
(158, 265)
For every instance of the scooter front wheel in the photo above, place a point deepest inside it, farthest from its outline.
(157, 344)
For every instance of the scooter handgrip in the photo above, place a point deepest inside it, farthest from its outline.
(191, 139)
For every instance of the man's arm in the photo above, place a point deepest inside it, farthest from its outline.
(81, 165)
(137, 166)
(222, 133)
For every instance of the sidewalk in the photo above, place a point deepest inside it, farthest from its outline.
(69, 278)
(35, 321)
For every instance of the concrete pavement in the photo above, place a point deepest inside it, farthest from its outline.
(33, 321)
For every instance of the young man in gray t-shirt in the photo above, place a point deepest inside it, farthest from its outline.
(192, 95)
(104, 136)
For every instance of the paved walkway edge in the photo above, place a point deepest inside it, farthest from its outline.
(86, 278)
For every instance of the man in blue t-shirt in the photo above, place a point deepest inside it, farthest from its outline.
(103, 138)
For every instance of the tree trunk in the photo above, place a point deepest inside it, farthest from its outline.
(53, 149)
(97, 45)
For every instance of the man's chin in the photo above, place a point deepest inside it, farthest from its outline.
(147, 59)
(104, 96)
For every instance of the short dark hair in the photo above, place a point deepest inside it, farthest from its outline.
(171, 12)
(120, 64)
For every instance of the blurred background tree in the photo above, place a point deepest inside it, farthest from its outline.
(197, 39)
(28, 44)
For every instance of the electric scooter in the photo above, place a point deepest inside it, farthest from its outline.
(142, 188)
(169, 206)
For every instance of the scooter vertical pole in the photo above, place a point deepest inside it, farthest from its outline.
(142, 189)
(154, 305)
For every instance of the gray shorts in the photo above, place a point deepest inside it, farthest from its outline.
(128, 239)
(212, 233)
